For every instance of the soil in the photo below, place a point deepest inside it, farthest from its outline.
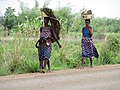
(105, 77)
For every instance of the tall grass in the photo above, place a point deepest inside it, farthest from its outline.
(110, 51)
(19, 55)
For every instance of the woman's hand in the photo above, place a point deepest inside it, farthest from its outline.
(60, 46)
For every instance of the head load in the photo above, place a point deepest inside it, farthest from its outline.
(87, 14)
(55, 24)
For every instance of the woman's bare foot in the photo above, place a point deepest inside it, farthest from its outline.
(43, 71)
(49, 71)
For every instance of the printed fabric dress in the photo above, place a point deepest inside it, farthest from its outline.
(45, 45)
(88, 47)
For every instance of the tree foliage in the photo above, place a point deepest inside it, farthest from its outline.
(65, 16)
(9, 19)
(30, 20)
(106, 24)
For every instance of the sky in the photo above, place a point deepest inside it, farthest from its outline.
(100, 8)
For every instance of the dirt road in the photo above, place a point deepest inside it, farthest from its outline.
(97, 78)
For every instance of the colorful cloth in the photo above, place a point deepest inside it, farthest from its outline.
(87, 31)
(45, 51)
(45, 33)
(88, 48)
(55, 24)
(45, 45)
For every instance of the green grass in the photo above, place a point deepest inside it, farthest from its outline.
(20, 55)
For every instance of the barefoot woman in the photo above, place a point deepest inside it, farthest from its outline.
(88, 49)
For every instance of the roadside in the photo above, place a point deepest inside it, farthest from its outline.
(105, 77)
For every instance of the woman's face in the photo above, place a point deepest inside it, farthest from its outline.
(87, 23)
(46, 20)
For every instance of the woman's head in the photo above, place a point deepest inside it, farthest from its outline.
(87, 22)
(46, 20)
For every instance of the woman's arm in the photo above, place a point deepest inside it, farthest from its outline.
(37, 43)
(56, 38)
(82, 32)
(91, 31)
(41, 29)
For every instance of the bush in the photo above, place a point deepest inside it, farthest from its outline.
(18, 55)
(110, 50)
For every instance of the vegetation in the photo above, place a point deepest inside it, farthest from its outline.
(111, 52)
(20, 33)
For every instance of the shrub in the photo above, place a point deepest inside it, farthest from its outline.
(110, 50)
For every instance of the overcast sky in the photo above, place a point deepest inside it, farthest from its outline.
(100, 8)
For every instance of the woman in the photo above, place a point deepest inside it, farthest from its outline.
(45, 44)
(88, 49)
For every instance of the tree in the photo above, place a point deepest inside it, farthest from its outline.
(46, 3)
(77, 23)
(106, 25)
(65, 15)
(29, 20)
(36, 4)
(9, 19)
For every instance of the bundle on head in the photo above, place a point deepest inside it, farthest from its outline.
(55, 24)
(87, 14)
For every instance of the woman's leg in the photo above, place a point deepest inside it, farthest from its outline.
(82, 61)
(48, 63)
(44, 65)
(91, 62)
(41, 64)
